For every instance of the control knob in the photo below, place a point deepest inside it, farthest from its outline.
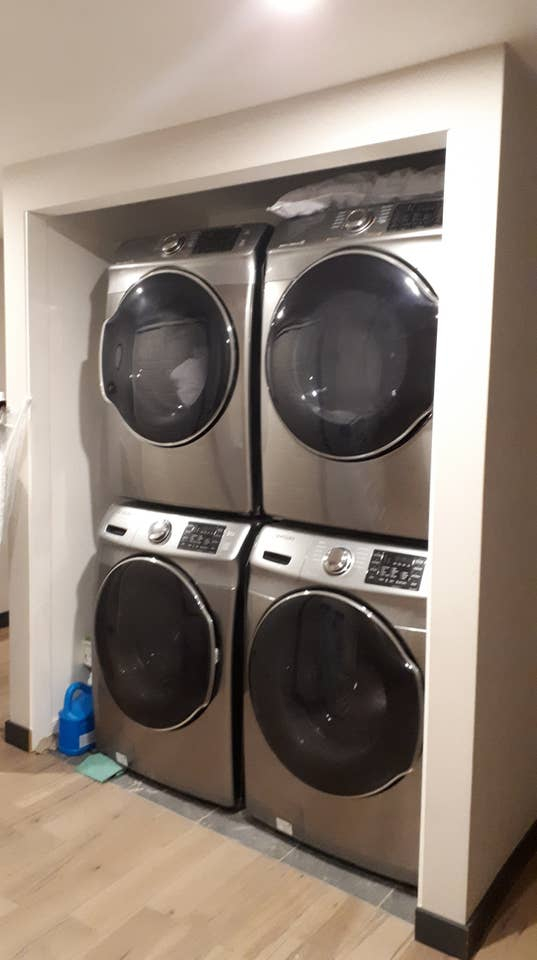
(171, 244)
(359, 220)
(159, 531)
(337, 561)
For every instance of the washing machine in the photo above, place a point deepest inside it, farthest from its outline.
(349, 342)
(167, 648)
(333, 706)
(175, 368)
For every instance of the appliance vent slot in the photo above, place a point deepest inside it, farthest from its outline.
(277, 557)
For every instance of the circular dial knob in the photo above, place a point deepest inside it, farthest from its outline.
(171, 244)
(338, 560)
(159, 531)
(359, 220)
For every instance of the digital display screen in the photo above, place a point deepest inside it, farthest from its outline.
(201, 537)
(218, 240)
(416, 216)
(402, 570)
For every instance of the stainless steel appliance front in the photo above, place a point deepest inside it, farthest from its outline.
(164, 648)
(175, 368)
(348, 345)
(334, 663)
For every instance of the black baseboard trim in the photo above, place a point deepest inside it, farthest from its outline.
(4, 619)
(18, 736)
(462, 940)
(441, 934)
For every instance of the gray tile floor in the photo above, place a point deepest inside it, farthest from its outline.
(397, 900)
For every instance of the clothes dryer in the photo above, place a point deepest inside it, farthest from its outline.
(176, 366)
(349, 342)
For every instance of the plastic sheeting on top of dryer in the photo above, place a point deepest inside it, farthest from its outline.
(353, 189)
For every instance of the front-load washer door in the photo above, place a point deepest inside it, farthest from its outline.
(168, 358)
(156, 643)
(335, 693)
(350, 354)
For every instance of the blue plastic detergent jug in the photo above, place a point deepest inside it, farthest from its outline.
(77, 722)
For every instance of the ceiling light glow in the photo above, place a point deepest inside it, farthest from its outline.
(292, 6)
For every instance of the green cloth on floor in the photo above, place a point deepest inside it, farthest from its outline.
(99, 767)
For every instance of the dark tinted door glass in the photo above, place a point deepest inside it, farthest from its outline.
(168, 357)
(336, 699)
(155, 644)
(351, 354)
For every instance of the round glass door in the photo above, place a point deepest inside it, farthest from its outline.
(168, 358)
(350, 354)
(335, 693)
(156, 643)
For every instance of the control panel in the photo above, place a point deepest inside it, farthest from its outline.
(171, 535)
(390, 218)
(217, 240)
(390, 569)
(201, 537)
(370, 221)
(240, 238)
(357, 565)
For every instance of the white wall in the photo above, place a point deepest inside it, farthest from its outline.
(457, 480)
(66, 304)
(390, 115)
(4, 574)
(483, 638)
(504, 788)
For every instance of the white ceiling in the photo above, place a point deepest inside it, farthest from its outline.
(78, 72)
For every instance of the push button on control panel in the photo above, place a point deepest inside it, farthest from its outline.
(201, 537)
(402, 570)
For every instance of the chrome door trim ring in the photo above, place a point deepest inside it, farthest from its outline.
(204, 610)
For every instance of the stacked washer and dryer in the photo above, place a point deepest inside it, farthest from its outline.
(331, 647)
(335, 630)
(176, 366)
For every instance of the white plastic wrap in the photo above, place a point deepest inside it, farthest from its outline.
(13, 424)
(355, 189)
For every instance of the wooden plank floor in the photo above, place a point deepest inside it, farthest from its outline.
(95, 872)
